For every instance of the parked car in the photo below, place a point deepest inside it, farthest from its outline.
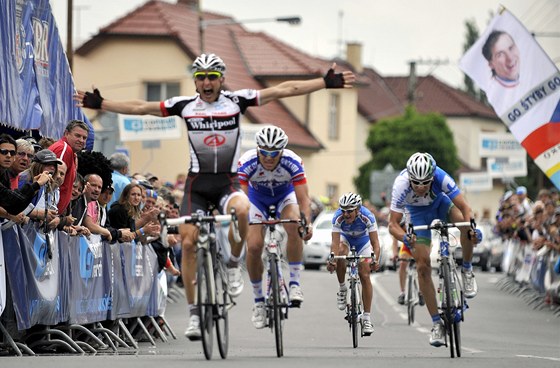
(317, 250)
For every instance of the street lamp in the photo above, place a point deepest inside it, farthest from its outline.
(203, 24)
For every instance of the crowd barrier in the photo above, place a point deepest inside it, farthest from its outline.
(76, 293)
(530, 274)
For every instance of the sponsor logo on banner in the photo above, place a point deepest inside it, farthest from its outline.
(147, 128)
(475, 181)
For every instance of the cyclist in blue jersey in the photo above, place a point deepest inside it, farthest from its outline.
(274, 175)
(355, 226)
(428, 193)
(213, 115)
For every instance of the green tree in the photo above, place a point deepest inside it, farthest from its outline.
(471, 37)
(394, 140)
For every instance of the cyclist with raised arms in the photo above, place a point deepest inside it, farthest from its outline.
(428, 193)
(274, 175)
(355, 225)
(209, 115)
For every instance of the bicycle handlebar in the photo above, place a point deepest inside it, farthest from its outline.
(302, 230)
(440, 225)
(356, 257)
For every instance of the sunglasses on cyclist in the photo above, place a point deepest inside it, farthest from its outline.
(420, 182)
(271, 154)
(347, 210)
(212, 76)
(5, 152)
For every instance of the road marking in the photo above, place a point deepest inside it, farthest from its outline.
(539, 357)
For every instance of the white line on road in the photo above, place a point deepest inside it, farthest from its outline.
(539, 357)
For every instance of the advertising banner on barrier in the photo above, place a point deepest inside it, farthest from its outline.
(90, 298)
(140, 271)
(34, 276)
(120, 307)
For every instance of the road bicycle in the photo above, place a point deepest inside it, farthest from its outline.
(354, 309)
(411, 290)
(450, 296)
(277, 300)
(213, 298)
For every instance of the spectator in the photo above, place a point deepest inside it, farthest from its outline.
(14, 202)
(525, 203)
(120, 163)
(66, 149)
(25, 153)
(94, 184)
(126, 212)
(153, 180)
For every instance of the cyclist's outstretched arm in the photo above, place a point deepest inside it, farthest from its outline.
(94, 100)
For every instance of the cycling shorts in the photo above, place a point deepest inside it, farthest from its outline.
(404, 251)
(260, 204)
(424, 215)
(364, 250)
(204, 189)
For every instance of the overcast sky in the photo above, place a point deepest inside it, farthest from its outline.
(392, 32)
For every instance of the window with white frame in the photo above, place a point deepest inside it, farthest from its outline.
(159, 91)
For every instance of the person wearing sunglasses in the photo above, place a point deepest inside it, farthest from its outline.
(273, 175)
(212, 117)
(427, 192)
(354, 225)
(24, 155)
(13, 202)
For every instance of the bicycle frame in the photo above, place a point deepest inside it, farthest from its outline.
(450, 297)
(354, 309)
(411, 298)
(277, 296)
(213, 298)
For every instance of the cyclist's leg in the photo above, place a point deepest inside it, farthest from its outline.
(364, 271)
(455, 215)
(343, 250)
(404, 253)
(290, 210)
(424, 216)
(238, 200)
(255, 245)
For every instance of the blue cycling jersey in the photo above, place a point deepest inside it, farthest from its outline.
(356, 232)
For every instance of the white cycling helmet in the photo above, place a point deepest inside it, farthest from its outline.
(350, 201)
(421, 166)
(271, 137)
(208, 62)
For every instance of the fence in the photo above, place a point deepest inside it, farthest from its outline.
(77, 294)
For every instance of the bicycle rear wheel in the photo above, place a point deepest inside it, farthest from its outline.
(222, 308)
(457, 322)
(276, 305)
(204, 292)
(448, 306)
(354, 313)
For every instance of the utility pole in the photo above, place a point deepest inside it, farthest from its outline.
(69, 35)
(412, 79)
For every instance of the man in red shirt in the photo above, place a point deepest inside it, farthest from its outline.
(66, 148)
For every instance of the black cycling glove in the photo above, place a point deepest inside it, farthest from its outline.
(93, 99)
(333, 80)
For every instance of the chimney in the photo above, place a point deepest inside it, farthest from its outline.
(354, 55)
(193, 4)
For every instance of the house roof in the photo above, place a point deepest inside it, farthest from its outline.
(249, 56)
(254, 57)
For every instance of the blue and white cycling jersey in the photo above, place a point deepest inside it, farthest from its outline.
(403, 197)
(357, 232)
(435, 204)
(277, 183)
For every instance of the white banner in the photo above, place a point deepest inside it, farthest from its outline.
(523, 87)
(507, 167)
(499, 145)
(475, 181)
(148, 128)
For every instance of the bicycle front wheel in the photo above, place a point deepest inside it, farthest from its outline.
(448, 306)
(354, 312)
(204, 301)
(276, 304)
(410, 286)
(222, 307)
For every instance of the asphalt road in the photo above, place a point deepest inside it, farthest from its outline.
(500, 330)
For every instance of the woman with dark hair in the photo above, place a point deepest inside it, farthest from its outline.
(126, 213)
